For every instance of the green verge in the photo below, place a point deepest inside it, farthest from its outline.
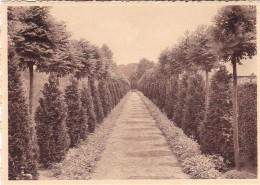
(81, 161)
(192, 161)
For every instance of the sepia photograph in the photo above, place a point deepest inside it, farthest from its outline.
(130, 91)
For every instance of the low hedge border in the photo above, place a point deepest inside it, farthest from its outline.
(80, 162)
(193, 163)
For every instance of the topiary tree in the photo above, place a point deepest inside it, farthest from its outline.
(76, 120)
(102, 86)
(37, 39)
(116, 96)
(178, 114)
(162, 93)
(112, 93)
(97, 101)
(109, 96)
(247, 121)
(52, 134)
(88, 106)
(172, 98)
(216, 133)
(22, 146)
(194, 107)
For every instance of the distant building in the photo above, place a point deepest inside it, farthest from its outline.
(244, 79)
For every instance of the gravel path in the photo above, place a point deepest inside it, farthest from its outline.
(136, 148)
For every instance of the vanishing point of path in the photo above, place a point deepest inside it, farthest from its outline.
(136, 148)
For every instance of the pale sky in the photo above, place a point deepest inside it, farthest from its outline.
(134, 31)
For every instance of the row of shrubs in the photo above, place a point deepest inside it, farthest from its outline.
(60, 127)
(183, 101)
(79, 163)
(192, 161)
(186, 149)
(62, 120)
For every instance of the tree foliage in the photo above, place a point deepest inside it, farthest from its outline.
(104, 96)
(247, 121)
(76, 118)
(143, 65)
(194, 106)
(52, 133)
(97, 101)
(182, 93)
(36, 38)
(88, 106)
(216, 133)
(234, 33)
(171, 97)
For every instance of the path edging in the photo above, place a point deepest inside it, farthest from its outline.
(193, 163)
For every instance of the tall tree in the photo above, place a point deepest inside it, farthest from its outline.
(86, 59)
(34, 40)
(22, 146)
(202, 54)
(234, 32)
(181, 53)
(171, 68)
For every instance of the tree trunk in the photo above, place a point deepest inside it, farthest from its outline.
(207, 95)
(31, 88)
(235, 125)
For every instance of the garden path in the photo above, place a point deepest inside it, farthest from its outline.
(136, 148)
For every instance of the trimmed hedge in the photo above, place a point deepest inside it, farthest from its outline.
(187, 150)
(247, 121)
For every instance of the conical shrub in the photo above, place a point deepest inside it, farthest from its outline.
(216, 133)
(76, 120)
(88, 107)
(102, 86)
(97, 101)
(52, 134)
(194, 108)
(178, 114)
